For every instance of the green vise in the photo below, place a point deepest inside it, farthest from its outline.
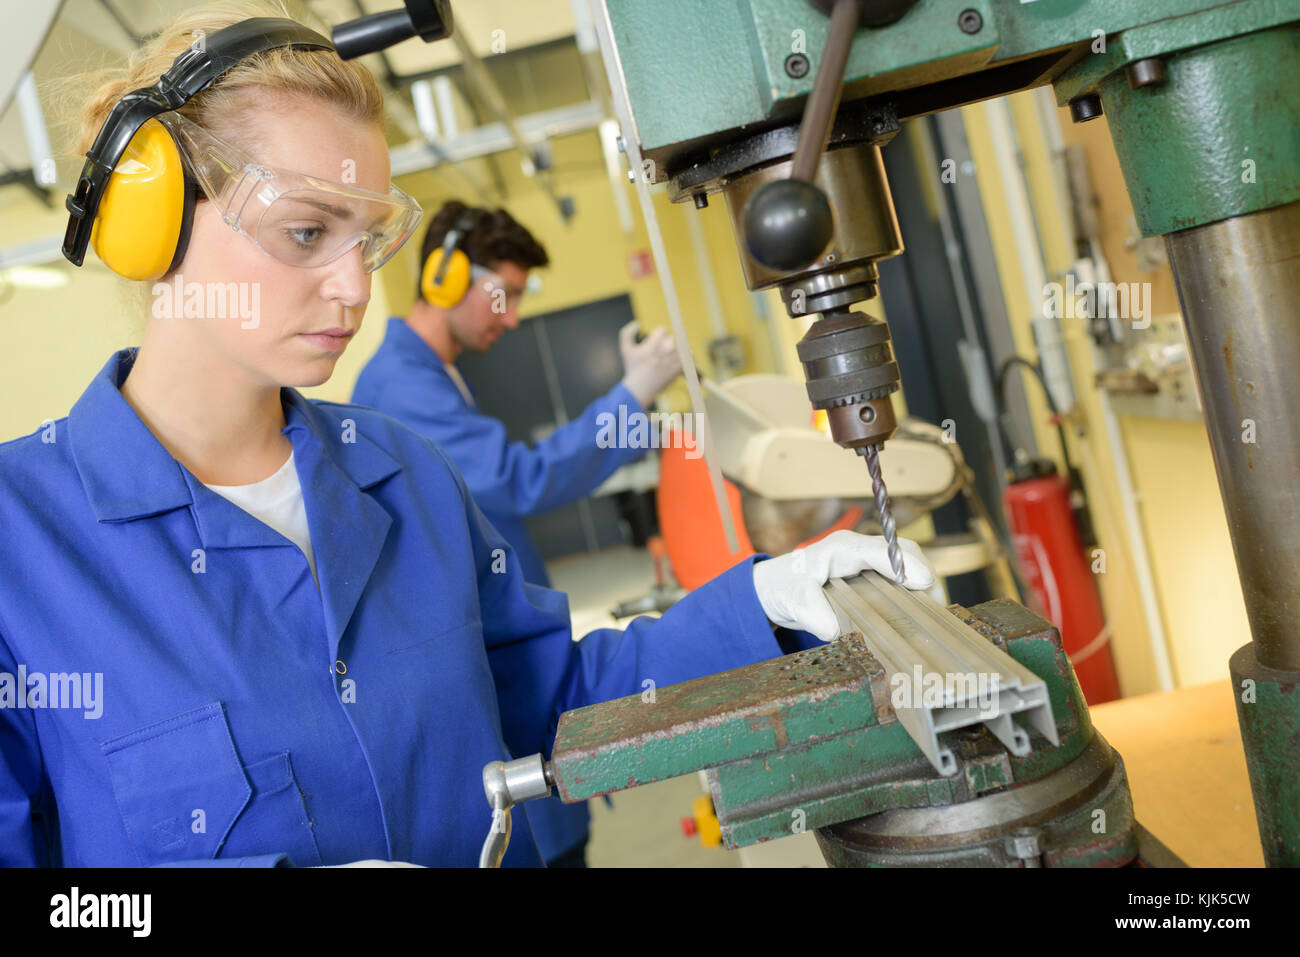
(811, 742)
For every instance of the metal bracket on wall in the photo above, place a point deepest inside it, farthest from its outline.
(942, 674)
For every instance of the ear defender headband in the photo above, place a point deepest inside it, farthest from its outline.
(445, 277)
(134, 201)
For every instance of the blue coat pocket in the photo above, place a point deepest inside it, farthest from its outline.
(184, 795)
(276, 820)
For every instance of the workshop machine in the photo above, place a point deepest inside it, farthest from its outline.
(861, 743)
(783, 106)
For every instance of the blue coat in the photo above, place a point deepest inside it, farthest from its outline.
(246, 718)
(509, 480)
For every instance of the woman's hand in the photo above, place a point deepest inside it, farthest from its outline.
(789, 587)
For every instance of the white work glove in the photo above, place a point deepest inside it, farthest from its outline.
(649, 365)
(789, 587)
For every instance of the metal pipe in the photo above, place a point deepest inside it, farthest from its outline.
(1239, 281)
(482, 81)
(623, 112)
(1052, 356)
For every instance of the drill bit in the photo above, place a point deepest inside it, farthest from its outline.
(887, 524)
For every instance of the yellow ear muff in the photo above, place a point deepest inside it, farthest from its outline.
(145, 208)
(455, 281)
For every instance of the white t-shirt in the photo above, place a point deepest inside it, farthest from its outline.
(457, 378)
(277, 501)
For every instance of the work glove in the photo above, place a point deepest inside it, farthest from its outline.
(649, 365)
(789, 587)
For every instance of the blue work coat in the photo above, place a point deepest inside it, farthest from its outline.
(246, 718)
(509, 480)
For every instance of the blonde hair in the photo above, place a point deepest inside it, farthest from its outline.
(84, 101)
(318, 74)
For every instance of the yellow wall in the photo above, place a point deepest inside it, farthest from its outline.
(55, 342)
(1191, 553)
(1183, 526)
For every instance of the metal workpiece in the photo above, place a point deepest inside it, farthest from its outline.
(866, 229)
(826, 781)
(507, 783)
(1078, 816)
(1239, 282)
(1268, 713)
(942, 674)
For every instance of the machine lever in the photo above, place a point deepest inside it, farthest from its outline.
(788, 222)
(507, 783)
(429, 20)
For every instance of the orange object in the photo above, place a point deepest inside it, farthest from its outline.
(688, 518)
(689, 524)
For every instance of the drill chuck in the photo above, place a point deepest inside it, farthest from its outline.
(849, 367)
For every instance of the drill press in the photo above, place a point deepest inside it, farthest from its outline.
(1197, 91)
(785, 212)
(847, 357)
(1200, 96)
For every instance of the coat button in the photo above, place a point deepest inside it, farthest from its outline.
(339, 667)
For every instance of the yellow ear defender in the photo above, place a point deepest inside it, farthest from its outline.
(134, 200)
(445, 277)
(143, 225)
(455, 278)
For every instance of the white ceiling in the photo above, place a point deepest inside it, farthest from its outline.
(85, 35)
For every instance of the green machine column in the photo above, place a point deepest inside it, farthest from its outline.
(1205, 114)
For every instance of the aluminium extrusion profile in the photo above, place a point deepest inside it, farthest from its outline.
(916, 640)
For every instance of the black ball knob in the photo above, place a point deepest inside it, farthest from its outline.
(788, 224)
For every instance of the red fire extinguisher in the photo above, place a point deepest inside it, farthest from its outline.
(1057, 569)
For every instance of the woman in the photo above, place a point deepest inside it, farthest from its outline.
(292, 636)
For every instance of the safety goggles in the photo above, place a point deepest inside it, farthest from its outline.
(493, 283)
(296, 218)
